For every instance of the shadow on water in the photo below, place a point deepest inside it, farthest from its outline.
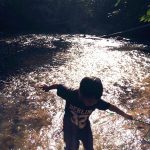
(29, 51)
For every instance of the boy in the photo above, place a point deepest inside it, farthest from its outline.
(80, 104)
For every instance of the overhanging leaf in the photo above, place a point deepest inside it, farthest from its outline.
(148, 12)
(117, 3)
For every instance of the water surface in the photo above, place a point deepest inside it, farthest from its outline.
(32, 119)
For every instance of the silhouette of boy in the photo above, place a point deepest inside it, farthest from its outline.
(80, 104)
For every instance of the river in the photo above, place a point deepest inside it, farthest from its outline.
(32, 119)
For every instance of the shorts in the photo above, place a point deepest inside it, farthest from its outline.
(73, 134)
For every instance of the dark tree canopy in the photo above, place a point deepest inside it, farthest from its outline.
(72, 15)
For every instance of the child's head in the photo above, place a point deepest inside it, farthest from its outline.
(90, 90)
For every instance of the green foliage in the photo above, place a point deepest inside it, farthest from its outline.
(117, 3)
(146, 18)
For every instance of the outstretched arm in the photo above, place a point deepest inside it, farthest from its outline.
(46, 88)
(62, 91)
(120, 112)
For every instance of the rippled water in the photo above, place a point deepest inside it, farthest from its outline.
(32, 119)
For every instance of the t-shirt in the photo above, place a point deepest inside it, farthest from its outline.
(75, 110)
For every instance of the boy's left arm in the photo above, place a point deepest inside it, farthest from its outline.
(120, 112)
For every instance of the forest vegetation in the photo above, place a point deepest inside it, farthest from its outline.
(72, 16)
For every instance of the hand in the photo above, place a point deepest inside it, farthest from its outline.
(130, 117)
(45, 88)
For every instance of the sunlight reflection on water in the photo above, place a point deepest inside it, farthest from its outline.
(39, 115)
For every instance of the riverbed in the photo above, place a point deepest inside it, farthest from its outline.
(32, 119)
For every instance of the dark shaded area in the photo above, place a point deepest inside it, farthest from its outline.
(70, 16)
(141, 35)
(27, 52)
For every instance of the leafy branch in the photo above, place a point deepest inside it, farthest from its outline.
(146, 17)
(143, 18)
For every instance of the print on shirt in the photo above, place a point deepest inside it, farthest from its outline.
(79, 116)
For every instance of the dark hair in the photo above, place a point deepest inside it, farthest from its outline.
(91, 87)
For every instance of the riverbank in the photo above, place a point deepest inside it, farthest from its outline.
(139, 34)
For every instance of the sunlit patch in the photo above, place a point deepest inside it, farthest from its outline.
(32, 119)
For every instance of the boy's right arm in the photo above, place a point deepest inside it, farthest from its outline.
(46, 88)
(62, 91)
